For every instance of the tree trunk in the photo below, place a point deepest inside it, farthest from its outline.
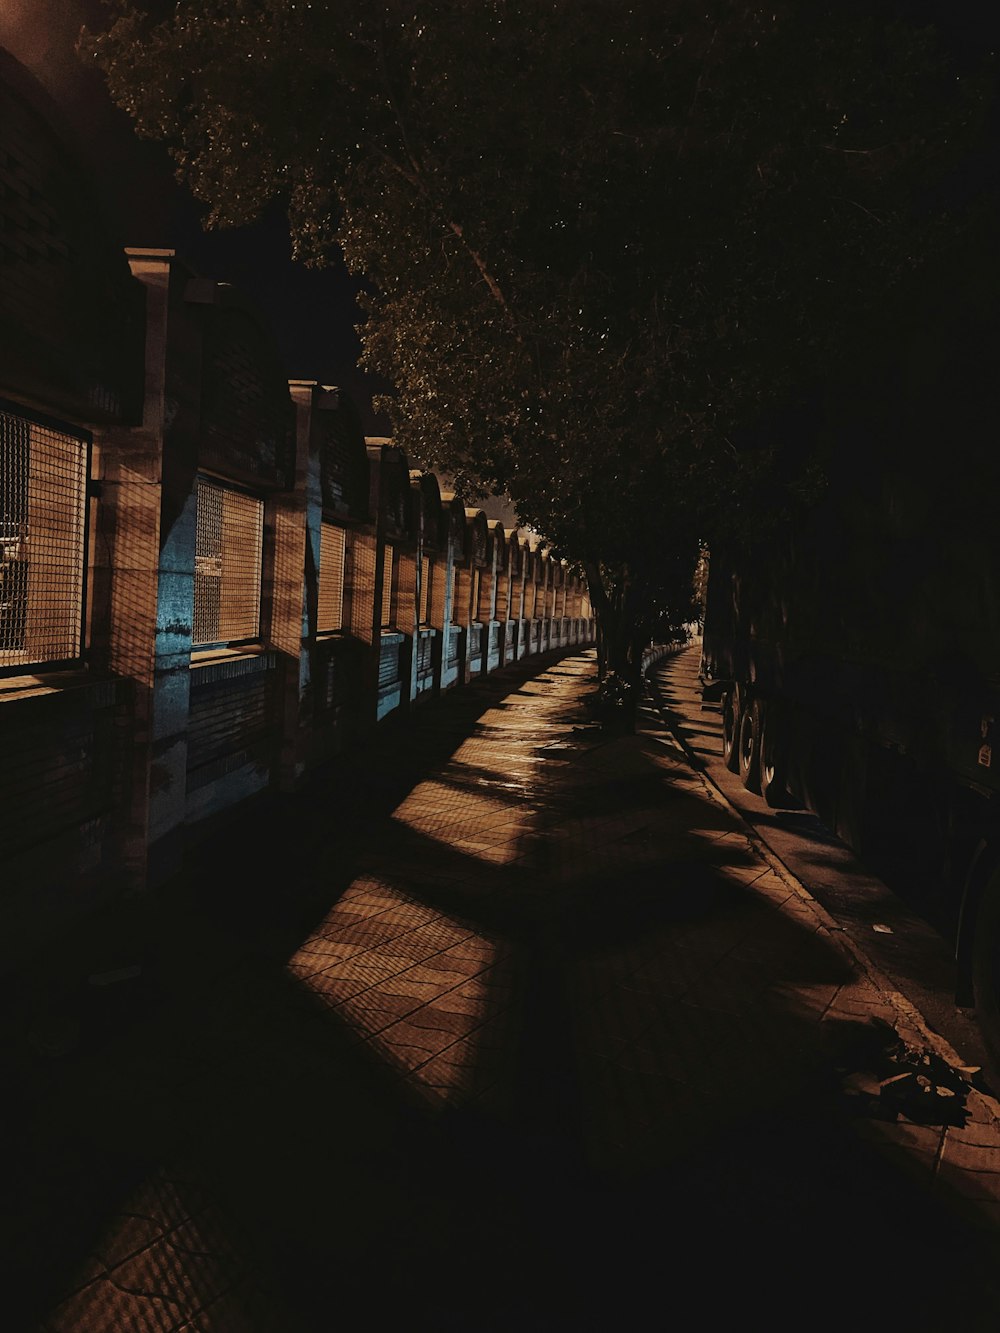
(620, 644)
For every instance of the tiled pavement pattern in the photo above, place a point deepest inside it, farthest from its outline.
(509, 1027)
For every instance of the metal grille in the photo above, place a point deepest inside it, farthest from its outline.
(332, 552)
(43, 509)
(502, 608)
(386, 587)
(228, 549)
(388, 663)
(425, 655)
(426, 577)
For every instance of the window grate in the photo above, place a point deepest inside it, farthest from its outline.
(229, 544)
(426, 578)
(332, 559)
(43, 511)
(386, 587)
(425, 656)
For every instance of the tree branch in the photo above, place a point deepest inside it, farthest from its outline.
(417, 179)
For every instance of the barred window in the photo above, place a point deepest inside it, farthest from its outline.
(43, 512)
(229, 544)
(386, 587)
(332, 557)
(426, 578)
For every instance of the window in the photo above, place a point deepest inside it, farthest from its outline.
(332, 556)
(229, 544)
(426, 579)
(43, 527)
(477, 577)
(386, 587)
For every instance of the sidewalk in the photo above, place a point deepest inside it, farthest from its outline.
(510, 1028)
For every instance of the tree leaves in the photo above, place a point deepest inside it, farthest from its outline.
(605, 247)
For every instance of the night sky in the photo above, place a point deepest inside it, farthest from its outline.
(312, 312)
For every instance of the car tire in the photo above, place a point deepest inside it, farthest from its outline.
(731, 727)
(773, 779)
(748, 749)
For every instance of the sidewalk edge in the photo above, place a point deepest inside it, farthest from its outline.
(911, 1021)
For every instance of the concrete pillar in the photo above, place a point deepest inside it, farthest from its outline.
(144, 564)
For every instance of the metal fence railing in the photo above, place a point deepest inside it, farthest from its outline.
(43, 538)
(229, 545)
(330, 601)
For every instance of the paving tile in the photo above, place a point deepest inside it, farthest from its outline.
(686, 1010)
(915, 1148)
(403, 985)
(436, 1017)
(976, 1132)
(968, 1183)
(416, 1043)
(809, 999)
(468, 1005)
(103, 1305)
(970, 1156)
(845, 1007)
(371, 1011)
(469, 963)
(128, 1235)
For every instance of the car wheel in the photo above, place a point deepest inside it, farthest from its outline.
(730, 727)
(773, 758)
(749, 746)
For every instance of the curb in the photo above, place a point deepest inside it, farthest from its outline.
(912, 1026)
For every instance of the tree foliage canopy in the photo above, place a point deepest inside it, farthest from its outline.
(603, 242)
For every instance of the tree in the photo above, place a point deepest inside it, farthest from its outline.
(605, 247)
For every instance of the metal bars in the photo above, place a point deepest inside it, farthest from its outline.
(228, 549)
(332, 559)
(426, 579)
(43, 526)
(386, 621)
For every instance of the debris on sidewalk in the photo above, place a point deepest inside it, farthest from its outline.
(884, 1077)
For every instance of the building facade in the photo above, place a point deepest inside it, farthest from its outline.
(211, 582)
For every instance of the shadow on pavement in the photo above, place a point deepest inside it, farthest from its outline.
(647, 1123)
